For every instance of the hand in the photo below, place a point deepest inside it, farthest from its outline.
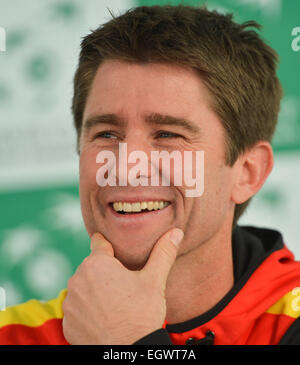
(107, 304)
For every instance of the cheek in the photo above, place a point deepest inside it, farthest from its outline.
(87, 173)
(218, 188)
(87, 188)
(208, 212)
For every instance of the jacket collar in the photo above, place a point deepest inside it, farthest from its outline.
(255, 252)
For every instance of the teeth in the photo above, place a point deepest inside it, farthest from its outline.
(150, 206)
(138, 206)
(144, 205)
(117, 206)
(127, 207)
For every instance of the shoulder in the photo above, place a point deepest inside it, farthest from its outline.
(32, 322)
(288, 304)
(287, 308)
(292, 335)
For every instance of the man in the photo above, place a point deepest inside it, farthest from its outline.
(173, 79)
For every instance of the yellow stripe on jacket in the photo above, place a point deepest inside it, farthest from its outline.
(34, 312)
(289, 304)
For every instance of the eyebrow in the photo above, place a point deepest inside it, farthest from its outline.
(160, 119)
(154, 118)
(94, 120)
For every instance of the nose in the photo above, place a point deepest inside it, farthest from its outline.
(138, 140)
(134, 160)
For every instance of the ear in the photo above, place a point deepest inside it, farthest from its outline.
(253, 168)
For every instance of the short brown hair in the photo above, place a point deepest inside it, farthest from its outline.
(236, 65)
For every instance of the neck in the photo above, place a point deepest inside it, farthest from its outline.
(199, 279)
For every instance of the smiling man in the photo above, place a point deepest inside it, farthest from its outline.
(167, 267)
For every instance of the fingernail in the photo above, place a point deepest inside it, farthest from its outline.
(176, 236)
(96, 237)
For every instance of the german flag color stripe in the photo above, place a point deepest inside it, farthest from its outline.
(33, 313)
(289, 304)
(49, 333)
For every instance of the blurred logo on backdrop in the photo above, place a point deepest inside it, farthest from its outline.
(296, 41)
(2, 40)
(2, 299)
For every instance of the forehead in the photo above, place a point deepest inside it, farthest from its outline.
(145, 88)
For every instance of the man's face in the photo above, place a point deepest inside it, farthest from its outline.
(127, 96)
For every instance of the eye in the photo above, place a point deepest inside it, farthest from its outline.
(105, 135)
(165, 134)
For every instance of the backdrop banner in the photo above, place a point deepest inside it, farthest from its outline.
(42, 235)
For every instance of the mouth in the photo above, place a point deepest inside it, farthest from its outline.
(142, 207)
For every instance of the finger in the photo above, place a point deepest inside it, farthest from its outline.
(100, 244)
(164, 254)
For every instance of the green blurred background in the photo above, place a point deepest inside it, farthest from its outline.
(42, 236)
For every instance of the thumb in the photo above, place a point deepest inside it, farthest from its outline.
(164, 254)
(100, 245)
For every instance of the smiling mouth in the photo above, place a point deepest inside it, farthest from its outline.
(138, 207)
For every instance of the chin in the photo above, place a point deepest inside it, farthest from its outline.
(132, 262)
(132, 252)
